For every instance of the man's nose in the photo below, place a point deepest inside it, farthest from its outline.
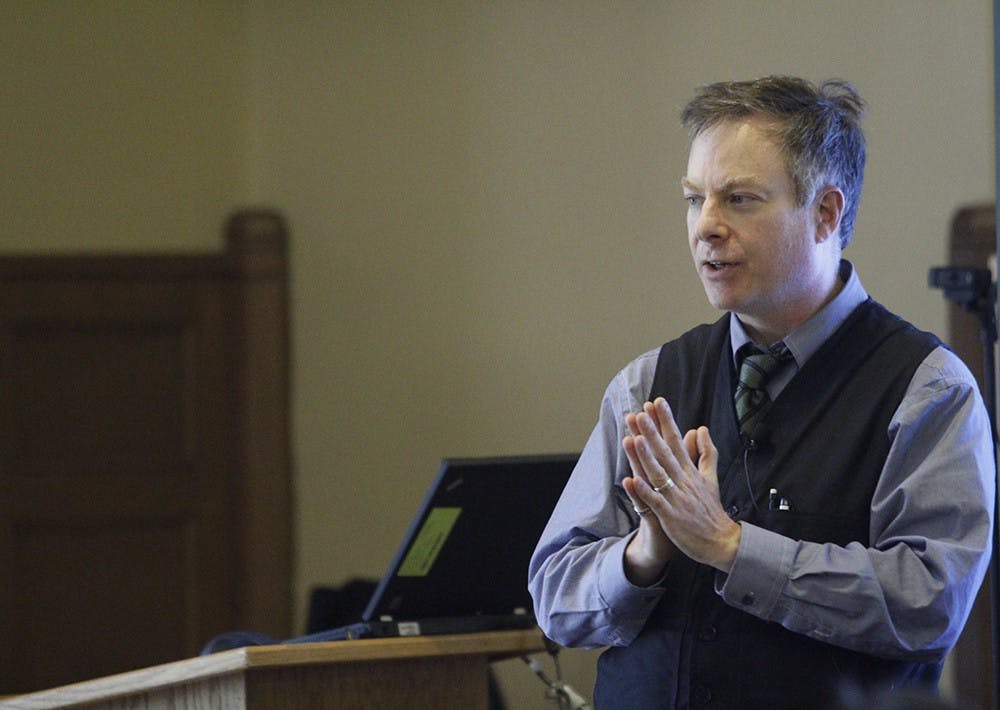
(711, 223)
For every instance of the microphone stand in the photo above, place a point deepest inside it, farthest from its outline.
(563, 693)
(976, 292)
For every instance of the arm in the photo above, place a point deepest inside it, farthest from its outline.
(910, 592)
(576, 575)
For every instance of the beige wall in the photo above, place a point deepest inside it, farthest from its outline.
(122, 124)
(483, 197)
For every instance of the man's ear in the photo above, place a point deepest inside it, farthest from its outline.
(829, 210)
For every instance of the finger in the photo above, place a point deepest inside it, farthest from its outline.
(708, 454)
(668, 426)
(659, 428)
(629, 444)
(639, 487)
(658, 424)
(672, 436)
(638, 505)
(650, 433)
(655, 410)
(658, 463)
(691, 443)
(633, 424)
(644, 491)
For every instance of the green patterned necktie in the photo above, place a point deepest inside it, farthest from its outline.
(755, 368)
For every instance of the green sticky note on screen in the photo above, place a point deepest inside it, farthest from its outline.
(431, 538)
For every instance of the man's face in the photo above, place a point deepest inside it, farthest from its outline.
(756, 251)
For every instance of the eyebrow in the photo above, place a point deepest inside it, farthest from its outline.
(734, 183)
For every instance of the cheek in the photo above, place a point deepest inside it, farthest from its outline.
(792, 258)
(692, 241)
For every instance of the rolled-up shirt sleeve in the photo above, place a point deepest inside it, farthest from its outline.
(909, 592)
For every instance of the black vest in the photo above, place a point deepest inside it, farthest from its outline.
(822, 445)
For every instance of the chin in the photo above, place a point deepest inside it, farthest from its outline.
(723, 301)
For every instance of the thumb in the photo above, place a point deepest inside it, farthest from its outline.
(708, 455)
(691, 445)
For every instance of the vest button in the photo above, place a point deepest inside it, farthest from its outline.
(701, 694)
(733, 511)
(709, 633)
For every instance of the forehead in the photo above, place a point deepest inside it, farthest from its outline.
(736, 150)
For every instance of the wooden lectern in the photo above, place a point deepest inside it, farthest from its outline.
(405, 672)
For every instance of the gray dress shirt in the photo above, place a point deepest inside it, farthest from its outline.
(906, 595)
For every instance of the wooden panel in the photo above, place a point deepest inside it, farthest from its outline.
(129, 529)
(111, 392)
(132, 581)
(257, 249)
(456, 682)
(77, 385)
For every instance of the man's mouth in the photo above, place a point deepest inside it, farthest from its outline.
(718, 265)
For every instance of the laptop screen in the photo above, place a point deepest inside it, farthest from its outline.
(467, 550)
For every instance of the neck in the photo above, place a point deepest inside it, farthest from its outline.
(766, 331)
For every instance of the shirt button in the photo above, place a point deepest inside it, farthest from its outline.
(701, 694)
(748, 599)
(709, 633)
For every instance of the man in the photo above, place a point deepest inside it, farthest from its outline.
(764, 535)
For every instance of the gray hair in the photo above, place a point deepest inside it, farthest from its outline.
(817, 127)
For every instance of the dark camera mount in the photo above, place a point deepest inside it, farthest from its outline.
(973, 289)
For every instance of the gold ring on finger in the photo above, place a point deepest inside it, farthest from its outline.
(667, 485)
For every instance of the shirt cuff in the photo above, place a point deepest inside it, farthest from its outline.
(762, 565)
(623, 598)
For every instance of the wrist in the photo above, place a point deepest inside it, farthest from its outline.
(646, 557)
(728, 547)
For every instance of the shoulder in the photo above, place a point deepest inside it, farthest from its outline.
(682, 355)
(941, 393)
(878, 319)
(938, 366)
(943, 369)
(683, 351)
(630, 386)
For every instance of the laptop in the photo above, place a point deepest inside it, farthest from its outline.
(463, 564)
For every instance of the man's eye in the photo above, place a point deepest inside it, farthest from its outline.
(692, 200)
(739, 199)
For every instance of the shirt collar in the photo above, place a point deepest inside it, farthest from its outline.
(806, 339)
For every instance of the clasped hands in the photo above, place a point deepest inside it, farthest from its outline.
(686, 516)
